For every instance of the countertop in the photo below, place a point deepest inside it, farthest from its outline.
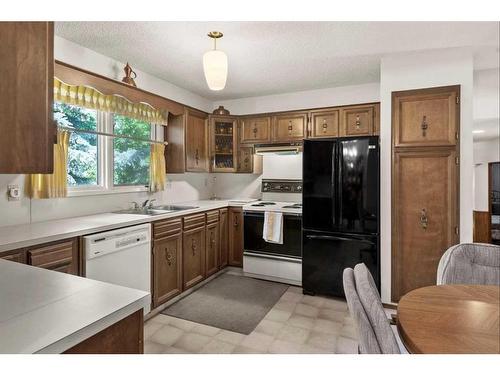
(18, 236)
(44, 311)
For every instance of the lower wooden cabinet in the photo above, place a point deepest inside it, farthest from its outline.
(235, 237)
(223, 238)
(167, 268)
(62, 256)
(18, 256)
(212, 249)
(193, 256)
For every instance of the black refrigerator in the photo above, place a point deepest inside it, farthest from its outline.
(340, 213)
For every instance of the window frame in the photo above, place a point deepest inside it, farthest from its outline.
(105, 162)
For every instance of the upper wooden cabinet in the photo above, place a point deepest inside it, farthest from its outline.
(255, 130)
(62, 256)
(26, 97)
(426, 117)
(196, 141)
(289, 127)
(357, 120)
(245, 159)
(325, 124)
(223, 143)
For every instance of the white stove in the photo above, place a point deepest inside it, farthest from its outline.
(285, 207)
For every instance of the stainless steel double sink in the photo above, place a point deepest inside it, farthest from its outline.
(155, 210)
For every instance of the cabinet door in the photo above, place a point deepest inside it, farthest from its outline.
(223, 144)
(18, 256)
(212, 249)
(357, 121)
(235, 237)
(26, 96)
(426, 117)
(425, 215)
(223, 238)
(196, 142)
(325, 124)
(245, 159)
(193, 256)
(255, 130)
(289, 127)
(62, 256)
(167, 268)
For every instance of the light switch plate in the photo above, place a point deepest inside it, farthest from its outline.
(13, 193)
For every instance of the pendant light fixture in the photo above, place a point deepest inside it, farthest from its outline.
(215, 65)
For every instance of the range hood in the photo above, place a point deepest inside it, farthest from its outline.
(279, 148)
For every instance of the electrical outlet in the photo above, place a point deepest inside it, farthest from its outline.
(13, 192)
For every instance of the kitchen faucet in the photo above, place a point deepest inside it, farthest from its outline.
(148, 203)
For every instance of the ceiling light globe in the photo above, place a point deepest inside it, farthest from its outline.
(215, 69)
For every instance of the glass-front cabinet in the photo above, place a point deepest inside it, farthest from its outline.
(223, 144)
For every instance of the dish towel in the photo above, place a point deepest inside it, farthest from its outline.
(273, 227)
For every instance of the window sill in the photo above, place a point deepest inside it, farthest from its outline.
(97, 191)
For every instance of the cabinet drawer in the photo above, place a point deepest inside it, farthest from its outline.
(357, 121)
(165, 228)
(58, 256)
(325, 124)
(194, 221)
(212, 216)
(18, 256)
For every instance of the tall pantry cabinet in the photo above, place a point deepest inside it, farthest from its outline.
(425, 184)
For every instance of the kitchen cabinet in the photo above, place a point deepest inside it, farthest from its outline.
(26, 98)
(245, 159)
(426, 117)
(223, 237)
(18, 255)
(61, 256)
(357, 120)
(235, 253)
(223, 143)
(167, 260)
(212, 248)
(289, 127)
(196, 141)
(425, 184)
(255, 130)
(193, 254)
(325, 124)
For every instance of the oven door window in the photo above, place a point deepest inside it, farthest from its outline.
(292, 236)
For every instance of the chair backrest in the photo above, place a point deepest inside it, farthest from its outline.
(470, 263)
(370, 299)
(367, 341)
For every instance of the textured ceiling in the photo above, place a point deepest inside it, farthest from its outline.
(276, 57)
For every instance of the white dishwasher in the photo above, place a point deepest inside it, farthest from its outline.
(121, 257)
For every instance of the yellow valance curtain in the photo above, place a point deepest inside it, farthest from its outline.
(41, 186)
(157, 168)
(89, 97)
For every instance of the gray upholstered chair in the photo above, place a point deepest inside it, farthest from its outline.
(470, 263)
(372, 304)
(368, 343)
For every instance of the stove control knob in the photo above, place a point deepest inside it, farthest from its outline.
(299, 188)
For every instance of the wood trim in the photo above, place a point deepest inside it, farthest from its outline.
(74, 75)
(482, 227)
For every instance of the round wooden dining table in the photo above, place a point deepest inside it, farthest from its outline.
(450, 319)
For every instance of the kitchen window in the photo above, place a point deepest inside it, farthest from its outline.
(100, 164)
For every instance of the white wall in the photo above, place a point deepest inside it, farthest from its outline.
(484, 152)
(421, 70)
(304, 99)
(183, 187)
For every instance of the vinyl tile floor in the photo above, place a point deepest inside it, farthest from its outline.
(296, 324)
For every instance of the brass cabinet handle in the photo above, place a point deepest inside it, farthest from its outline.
(236, 221)
(196, 156)
(325, 125)
(424, 126)
(254, 130)
(290, 127)
(193, 246)
(169, 256)
(212, 240)
(424, 221)
(358, 122)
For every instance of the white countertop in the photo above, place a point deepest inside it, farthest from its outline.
(18, 236)
(44, 311)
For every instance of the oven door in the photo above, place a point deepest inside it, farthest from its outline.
(292, 236)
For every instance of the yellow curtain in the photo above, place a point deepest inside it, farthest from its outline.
(157, 170)
(89, 97)
(53, 185)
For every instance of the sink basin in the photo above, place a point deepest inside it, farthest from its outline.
(146, 211)
(173, 208)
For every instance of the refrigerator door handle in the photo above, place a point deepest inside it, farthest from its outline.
(334, 238)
